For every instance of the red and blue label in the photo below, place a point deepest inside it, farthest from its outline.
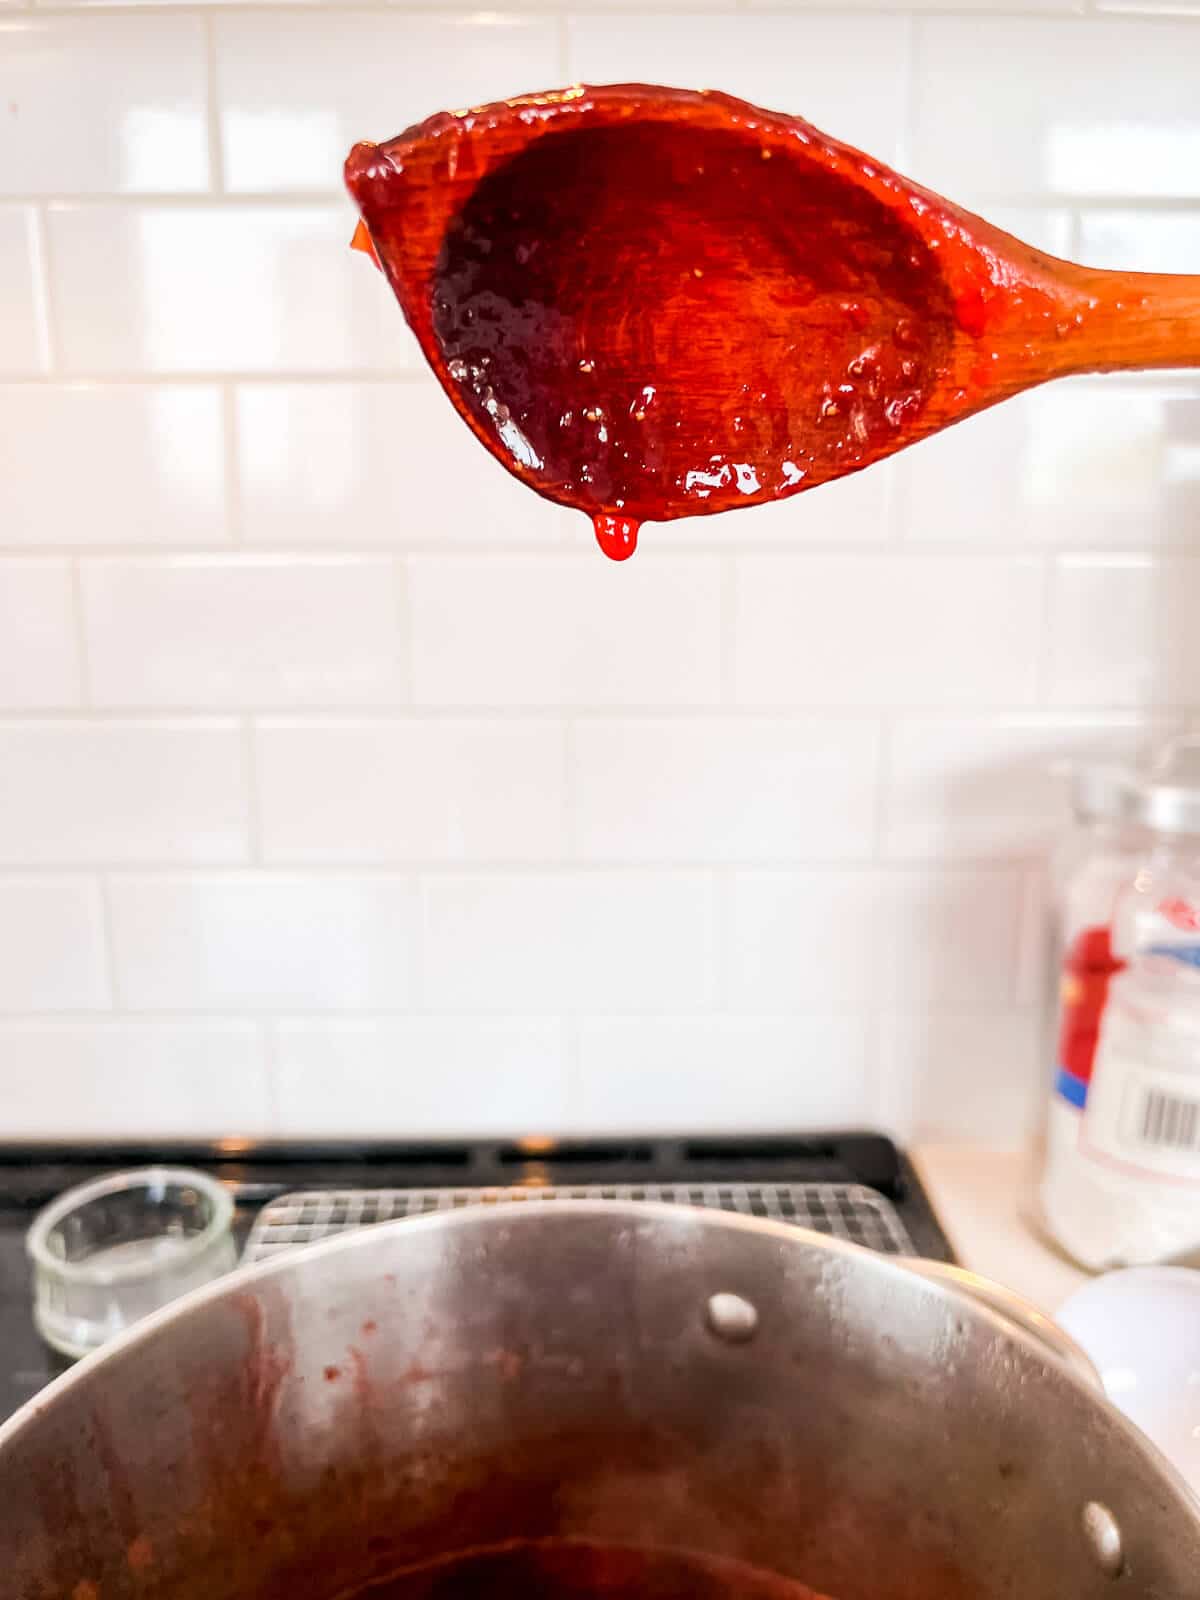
(1089, 966)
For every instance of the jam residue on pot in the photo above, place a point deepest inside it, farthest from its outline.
(574, 1569)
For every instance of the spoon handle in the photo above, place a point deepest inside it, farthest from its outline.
(1129, 321)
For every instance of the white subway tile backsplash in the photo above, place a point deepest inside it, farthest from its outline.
(370, 463)
(1037, 957)
(886, 630)
(1140, 241)
(845, 74)
(39, 653)
(263, 942)
(725, 789)
(23, 341)
(953, 1076)
(991, 787)
(87, 464)
(1015, 106)
(602, 941)
(1089, 462)
(346, 790)
(133, 1080)
(229, 631)
(289, 118)
(103, 104)
(52, 954)
(422, 1077)
(366, 791)
(874, 940)
(1046, 228)
(107, 792)
(1122, 631)
(722, 1074)
(200, 289)
(566, 630)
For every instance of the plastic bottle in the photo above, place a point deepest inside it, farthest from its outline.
(1096, 860)
(1121, 1175)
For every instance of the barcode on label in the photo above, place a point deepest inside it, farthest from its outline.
(1169, 1122)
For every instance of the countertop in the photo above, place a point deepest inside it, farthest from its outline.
(979, 1194)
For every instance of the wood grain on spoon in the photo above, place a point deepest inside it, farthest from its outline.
(654, 303)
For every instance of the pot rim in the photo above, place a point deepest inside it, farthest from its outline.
(621, 1211)
(1014, 1308)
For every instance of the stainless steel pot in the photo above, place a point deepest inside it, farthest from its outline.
(635, 1373)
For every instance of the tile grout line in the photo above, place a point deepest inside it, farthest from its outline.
(883, 781)
(43, 292)
(325, 716)
(222, 1017)
(187, 377)
(322, 719)
(876, 1083)
(906, 137)
(723, 897)
(254, 821)
(1028, 942)
(216, 154)
(406, 654)
(1075, 234)
(1078, 11)
(418, 963)
(1044, 652)
(570, 759)
(267, 1029)
(953, 553)
(234, 529)
(727, 635)
(482, 869)
(332, 1018)
(557, 559)
(79, 630)
(108, 930)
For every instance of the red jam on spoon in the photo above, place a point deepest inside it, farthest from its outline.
(652, 303)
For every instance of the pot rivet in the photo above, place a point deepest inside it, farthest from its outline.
(731, 1318)
(1103, 1535)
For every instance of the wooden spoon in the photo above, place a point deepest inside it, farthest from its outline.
(653, 303)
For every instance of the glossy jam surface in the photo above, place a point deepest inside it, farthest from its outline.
(579, 1570)
(650, 324)
(653, 303)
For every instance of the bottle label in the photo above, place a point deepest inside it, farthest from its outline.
(1142, 1120)
(1169, 927)
(1088, 968)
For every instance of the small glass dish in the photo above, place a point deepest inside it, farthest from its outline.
(109, 1252)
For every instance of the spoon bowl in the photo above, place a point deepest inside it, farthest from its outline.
(653, 303)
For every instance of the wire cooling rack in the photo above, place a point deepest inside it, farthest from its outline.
(843, 1210)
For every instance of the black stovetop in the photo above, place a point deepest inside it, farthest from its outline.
(31, 1176)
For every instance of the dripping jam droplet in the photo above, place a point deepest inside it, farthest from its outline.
(616, 536)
